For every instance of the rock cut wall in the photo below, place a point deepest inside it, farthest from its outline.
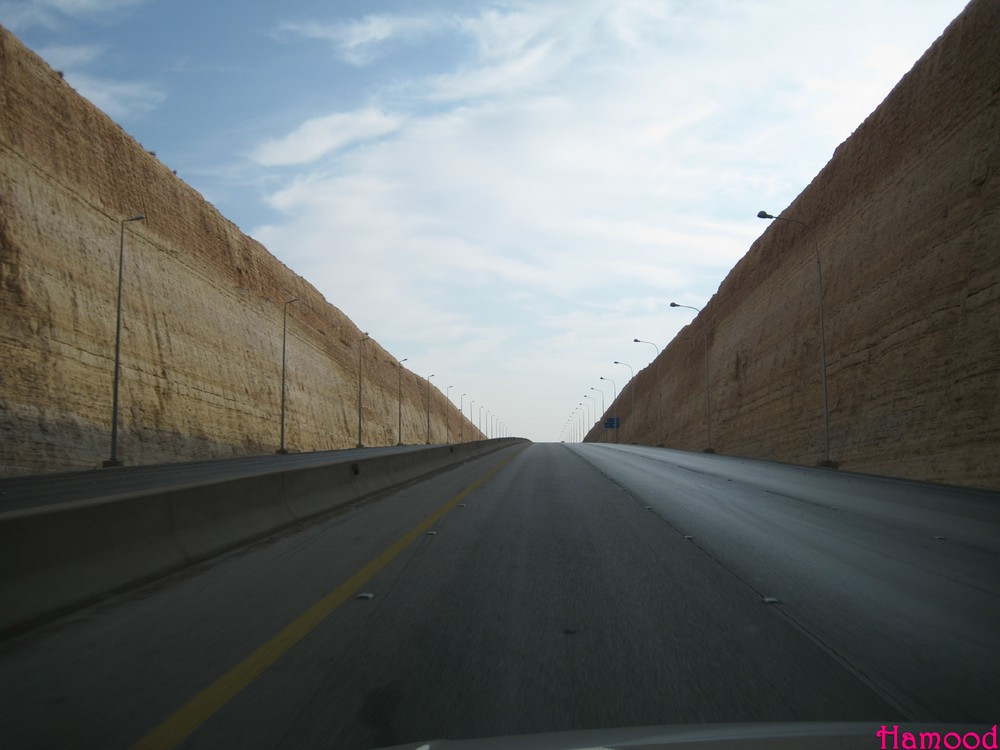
(906, 221)
(202, 310)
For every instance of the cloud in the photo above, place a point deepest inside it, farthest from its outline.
(360, 41)
(87, 7)
(321, 135)
(61, 57)
(120, 100)
(22, 14)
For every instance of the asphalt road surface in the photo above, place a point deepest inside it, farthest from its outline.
(541, 588)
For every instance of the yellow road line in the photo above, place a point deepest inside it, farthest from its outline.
(201, 708)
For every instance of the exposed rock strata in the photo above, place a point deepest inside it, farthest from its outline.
(905, 218)
(202, 310)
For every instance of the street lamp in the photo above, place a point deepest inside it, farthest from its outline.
(614, 388)
(603, 408)
(632, 383)
(587, 395)
(708, 403)
(461, 418)
(447, 422)
(113, 460)
(284, 338)
(614, 397)
(399, 401)
(822, 337)
(429, 409)
(361, 349)
(659, 391)
(472, 404)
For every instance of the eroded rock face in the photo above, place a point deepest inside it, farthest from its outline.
(905, 220)
(202, 310)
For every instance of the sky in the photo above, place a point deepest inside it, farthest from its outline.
(504, 193)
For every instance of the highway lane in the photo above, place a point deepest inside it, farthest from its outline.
(901, 579)
(548, 597)
(37, 490)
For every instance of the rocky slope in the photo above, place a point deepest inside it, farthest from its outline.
(905, 220)
(202, 310)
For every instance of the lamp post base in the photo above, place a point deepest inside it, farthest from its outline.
(111, 463)
(828, 464)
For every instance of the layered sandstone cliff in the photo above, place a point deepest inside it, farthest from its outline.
(202, 311)
(906, 221)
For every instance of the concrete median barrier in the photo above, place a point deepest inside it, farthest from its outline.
(58, 558)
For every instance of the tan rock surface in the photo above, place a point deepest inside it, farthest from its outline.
(202, 310)
(905, 217)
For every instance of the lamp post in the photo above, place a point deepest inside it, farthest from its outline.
(447, 422)
(399, 401)
(708, 403)
(113, 460)
(659, 391)
(429, 409)
(614, 388)
(472, 404)
(587, 395)
(822, 336)
(361, 349)
(632, 384)
(461, 418)
(603, 409)
(284, 339)
(481, 407)
(614, 397)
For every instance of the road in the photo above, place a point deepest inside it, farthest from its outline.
(541, 588)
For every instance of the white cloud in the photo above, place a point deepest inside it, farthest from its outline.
(360, 41)
(61, 57)
(118, 99)
(22, 14)
(84, 7)
(321, 135)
